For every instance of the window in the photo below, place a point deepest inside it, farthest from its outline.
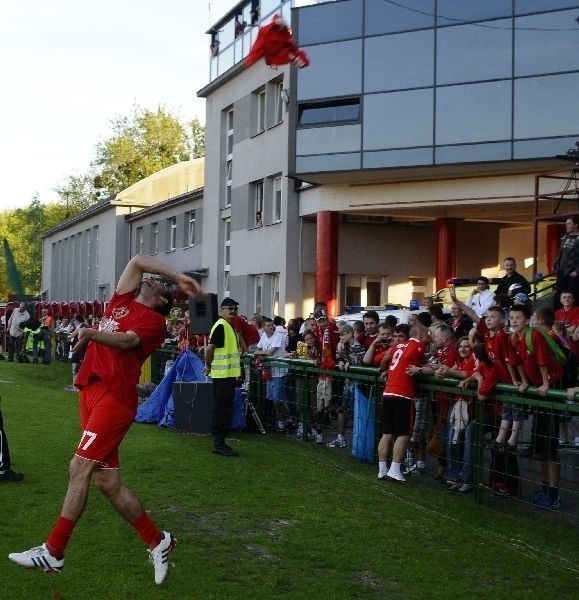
(260, 111)
(257, 294)
(258, 203)
(190, 228)
(154, 238)
(229, 132)
(171, 234)
(335, 111)
(275, 293)
(140, 239)
(228, 181)
(227, 241)
(276, 200)
(228, 157)
(278, 101)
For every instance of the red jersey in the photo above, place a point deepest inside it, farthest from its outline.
(491, 376)
(497, 349)
(120, 369)
(405, 354)
(542, 356)
(467, 364)
(569, 317)
(366, 339)
(247, 330)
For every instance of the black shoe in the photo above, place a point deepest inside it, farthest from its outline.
(224, 450)
(11, 476)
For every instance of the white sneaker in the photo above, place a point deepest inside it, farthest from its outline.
(38, 557)
(159, 556)
(382, 475)
(397, 477)
(339, 442)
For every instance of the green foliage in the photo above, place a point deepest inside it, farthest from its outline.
(285, 520)
(142, 144)
(22, 229)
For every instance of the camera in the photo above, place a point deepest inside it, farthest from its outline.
(571, 156)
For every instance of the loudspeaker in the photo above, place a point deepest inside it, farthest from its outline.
(193, 406)
(203, 313)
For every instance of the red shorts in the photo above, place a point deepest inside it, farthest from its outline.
(105, 422)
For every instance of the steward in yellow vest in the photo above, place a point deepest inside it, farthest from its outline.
(223, 364)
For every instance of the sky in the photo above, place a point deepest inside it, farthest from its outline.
(68, 67)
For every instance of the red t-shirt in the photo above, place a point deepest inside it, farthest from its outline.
(366, 339)
(121, 369)
(542, 356)
(405, 354)
(491, 376)
(570, 317)
(247, 330)
(497, 349)
(467, 364)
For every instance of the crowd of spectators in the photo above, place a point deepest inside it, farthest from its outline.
(506, 342)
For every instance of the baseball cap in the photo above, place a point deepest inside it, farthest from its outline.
(320, 314)
(226, 302)
(521, 297)
(514, 287)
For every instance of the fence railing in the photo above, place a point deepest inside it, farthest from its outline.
(508, 473)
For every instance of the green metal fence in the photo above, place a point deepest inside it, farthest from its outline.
(301, 398)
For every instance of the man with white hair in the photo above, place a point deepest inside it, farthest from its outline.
(18, 317)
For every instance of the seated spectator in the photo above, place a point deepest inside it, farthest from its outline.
(348, 353)
(481, 298)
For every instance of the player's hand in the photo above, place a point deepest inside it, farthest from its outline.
(542, 390)
(189, 285)
(523, 387)
(84, 336)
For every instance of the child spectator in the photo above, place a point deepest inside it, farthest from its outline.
(348, 352)
(459, 477)
(539, 367)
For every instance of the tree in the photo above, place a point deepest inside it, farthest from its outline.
(141, 145)
(77, 192)
(22, 229)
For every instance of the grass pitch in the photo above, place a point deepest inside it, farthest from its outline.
(286, 519)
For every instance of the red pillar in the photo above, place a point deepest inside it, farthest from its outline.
(553, 242)
(445, 251)
(327, 259)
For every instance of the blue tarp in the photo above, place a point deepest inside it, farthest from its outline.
(159, 406)
(364, 427)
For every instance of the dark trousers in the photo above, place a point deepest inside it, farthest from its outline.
(223, 394)
(4, 452)
(15, 346)
(47, 339)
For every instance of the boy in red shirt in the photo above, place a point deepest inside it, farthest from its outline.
(539, 368)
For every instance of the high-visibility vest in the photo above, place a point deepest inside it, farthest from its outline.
(226, 360)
